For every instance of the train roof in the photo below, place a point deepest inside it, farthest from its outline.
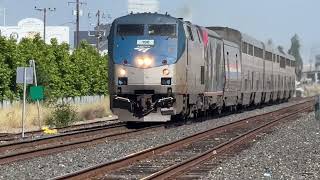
(248, 39)
(213, 34)
(284, 54)
(147, 18)
(237, 37)
(228, 34)
(269, 48)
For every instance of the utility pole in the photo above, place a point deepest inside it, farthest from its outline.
(78, 22)
(44, 10)
(98, 30)
(78, 3)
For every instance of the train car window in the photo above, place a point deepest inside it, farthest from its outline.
(250, 49)
(190, 33)
(268, 56)
(288, 62)
(130, 29)
(282, 62)
(202, 74)
(278, 58)
(274, 57)
(252, 81)
(258, 52)
(162, 30)
(246, 85)
(245, 47)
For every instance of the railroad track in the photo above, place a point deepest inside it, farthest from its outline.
(53, 144)
(174, 159)
(7, 137)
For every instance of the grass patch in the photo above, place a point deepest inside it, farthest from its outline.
(96, 110)
(311, 90)
(10, 118)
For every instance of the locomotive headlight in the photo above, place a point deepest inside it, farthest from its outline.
(140, 62)
(165, 72)
(122, 72)
(147, 61)
(144, 62)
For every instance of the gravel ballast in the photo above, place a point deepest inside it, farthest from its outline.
(291, 151)
(66, 162)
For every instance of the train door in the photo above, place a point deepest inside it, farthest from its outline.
(232, 73)
(219, 74)
(210, 66)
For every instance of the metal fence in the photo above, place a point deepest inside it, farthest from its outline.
(70, 100)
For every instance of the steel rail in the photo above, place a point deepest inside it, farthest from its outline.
(104, 168)
(54, 138)
(79, 142)
(177, 169)
(72, 128)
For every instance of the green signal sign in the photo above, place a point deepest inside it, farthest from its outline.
(36, 93)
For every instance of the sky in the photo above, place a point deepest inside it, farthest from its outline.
(278, 20)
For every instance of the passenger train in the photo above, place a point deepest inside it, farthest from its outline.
(162, 68)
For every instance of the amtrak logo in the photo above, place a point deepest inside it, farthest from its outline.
(144, 45)
(142, 49)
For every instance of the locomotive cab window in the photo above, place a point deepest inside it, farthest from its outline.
(130, 29)
(162, 30)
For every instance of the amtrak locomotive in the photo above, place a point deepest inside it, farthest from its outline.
(162, 68)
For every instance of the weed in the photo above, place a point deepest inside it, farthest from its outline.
(62, 116)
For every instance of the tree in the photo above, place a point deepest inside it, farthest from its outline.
(63, 74)
(295, 51)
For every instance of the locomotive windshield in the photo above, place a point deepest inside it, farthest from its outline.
(130, 29)
(162, 30)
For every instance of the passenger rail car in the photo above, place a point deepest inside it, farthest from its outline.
(163, 67)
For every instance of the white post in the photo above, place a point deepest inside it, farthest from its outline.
(33, 64)
(24, 99)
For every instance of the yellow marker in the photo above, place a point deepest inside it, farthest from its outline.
(47, 130)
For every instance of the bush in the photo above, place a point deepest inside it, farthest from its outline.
(62, 116)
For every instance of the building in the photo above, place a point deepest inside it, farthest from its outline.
(311, 72)
(29, 27)
(141, 6)
(91, 37)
